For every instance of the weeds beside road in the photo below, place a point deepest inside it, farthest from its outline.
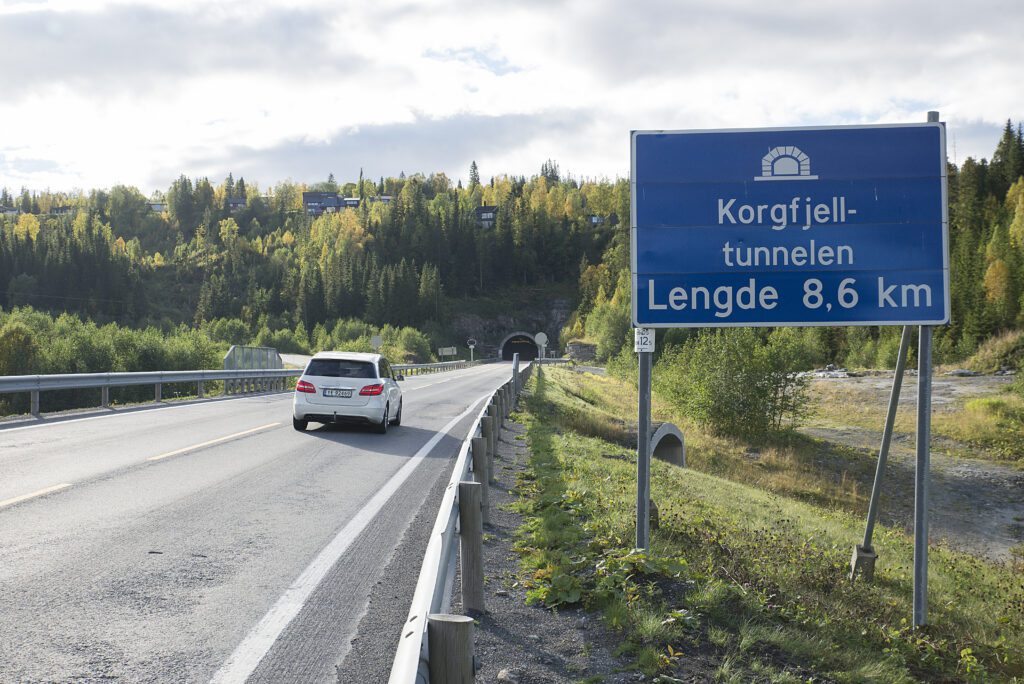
(752, 570)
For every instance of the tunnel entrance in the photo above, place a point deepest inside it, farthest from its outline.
(519, 343)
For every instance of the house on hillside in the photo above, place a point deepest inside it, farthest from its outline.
(350, 202)
(485, 216)
(318, 203)
(596, 220)
(158, 206)
(236, 204)
(9, 211)
(61, 210)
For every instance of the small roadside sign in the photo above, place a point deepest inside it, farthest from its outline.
(447, 351)
(471, 342)
(643, 340)
(376, 341)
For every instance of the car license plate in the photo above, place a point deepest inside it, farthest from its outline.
(343, 393)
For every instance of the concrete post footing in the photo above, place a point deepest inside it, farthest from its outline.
(863, 563)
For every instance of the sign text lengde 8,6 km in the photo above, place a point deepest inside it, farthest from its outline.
(725, 299)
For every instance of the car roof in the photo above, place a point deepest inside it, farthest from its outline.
(348, 356)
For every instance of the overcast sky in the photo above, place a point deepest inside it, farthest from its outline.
(94, 94)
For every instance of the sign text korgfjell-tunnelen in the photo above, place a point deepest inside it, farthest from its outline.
(812, 226)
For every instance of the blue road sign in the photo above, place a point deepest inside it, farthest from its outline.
(790, 226)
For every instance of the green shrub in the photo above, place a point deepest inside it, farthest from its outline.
(735, 381)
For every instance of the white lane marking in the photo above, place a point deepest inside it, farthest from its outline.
(212, 442)
(41, 492)
(257, 643)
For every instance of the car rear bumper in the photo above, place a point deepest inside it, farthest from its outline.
(371, 412)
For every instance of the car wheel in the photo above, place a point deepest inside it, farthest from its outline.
(382, 426)
(398, 416)
(300, 425)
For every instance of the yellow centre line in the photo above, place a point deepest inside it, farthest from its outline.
(212, 442)
(26, 497)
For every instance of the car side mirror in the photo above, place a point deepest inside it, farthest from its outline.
(399, 377)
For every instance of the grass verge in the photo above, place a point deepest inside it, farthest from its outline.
(755, 578)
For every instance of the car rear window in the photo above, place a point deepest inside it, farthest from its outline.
(336, 368)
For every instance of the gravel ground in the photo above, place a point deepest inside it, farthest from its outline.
(976, 506)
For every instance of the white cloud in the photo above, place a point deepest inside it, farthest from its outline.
(97, 93)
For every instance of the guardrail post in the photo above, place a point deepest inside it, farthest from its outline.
(487, 429)
(482, 471)
(471, 547)
(158, 393)
(200, 389)
(451, 648)
(105, 397)
(35, 403)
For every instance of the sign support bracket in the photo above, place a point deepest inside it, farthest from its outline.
(864, 555)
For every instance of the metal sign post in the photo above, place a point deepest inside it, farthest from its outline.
(921, 475)
(643, 345)
(922, 470)
(471, 343)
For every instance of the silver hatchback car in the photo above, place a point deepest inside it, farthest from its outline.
(348, 387)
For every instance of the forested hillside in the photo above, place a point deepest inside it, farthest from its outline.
(986, 214)
(243, 262)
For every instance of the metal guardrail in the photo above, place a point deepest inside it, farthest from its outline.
(253, 380)
(432, 593)
(423, 368)
(246, 380)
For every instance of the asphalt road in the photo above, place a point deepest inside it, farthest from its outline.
(211, 541)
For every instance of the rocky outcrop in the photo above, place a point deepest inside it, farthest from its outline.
(547, 315)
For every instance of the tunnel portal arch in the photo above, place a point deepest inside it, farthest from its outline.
(521, 343)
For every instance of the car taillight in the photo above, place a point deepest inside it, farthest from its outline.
(371, 390)
(303, 386)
